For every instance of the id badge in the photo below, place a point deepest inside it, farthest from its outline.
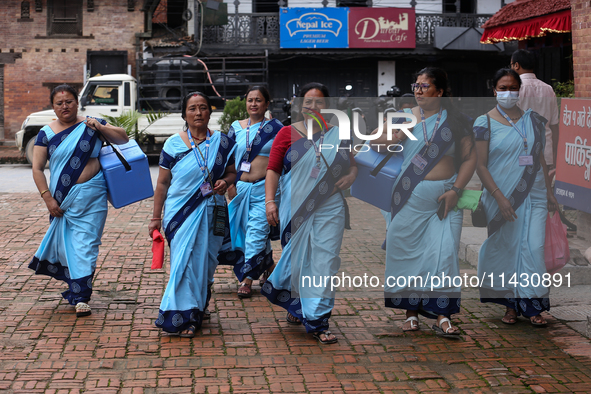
(419, 161)
(206, 189)
(315, 172)
(245, 166)
(526, 160)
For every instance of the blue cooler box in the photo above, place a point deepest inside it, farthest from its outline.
(126, 187)
(376, 190)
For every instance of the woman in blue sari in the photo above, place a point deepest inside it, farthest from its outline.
(517, 196)
(76, 196)
(423, 236)
(311, 214)
(196, 167)
(250, 252)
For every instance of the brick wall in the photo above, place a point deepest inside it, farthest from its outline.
(55, 60)
(581, 16)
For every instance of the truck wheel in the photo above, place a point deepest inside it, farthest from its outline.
(29, 149)
(168, 94)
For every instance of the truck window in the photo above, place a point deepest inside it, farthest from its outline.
(102, 95)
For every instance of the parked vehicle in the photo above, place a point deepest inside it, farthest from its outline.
(161, 84)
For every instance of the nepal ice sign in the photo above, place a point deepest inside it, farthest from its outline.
(573, 162)
(313, 27)
(382, 28)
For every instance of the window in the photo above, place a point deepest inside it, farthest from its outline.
(266, 5)
(25, 10)
(466, 6)
(64, 17)
(352, 3)
(102, 95)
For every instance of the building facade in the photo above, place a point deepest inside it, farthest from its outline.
(47, 42)
(44, 43)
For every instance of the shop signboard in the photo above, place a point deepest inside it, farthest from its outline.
(382, 28)
(313, 27)
(573, 162)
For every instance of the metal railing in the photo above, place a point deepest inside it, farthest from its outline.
(245, 29)
(262, 29)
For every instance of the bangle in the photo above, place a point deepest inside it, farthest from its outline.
(227, 184)
(156, 219)
(494, 191)
(43, 192)
(270, 201)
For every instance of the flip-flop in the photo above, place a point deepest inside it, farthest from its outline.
(446, 334)
(325, 341)
(83, 309)
(414, 324)
(291, 319)
(245, 291)
(190, 334)
(542, 323)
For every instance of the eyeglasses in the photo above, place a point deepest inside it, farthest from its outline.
(422, 86)
(61, 103)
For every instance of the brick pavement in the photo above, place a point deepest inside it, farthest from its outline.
(247, 347)
(11, 155)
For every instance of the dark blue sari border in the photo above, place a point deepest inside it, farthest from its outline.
(79, 290)
(323, 189)
(413, 175)
(78, 160)
(225, 147)
(270, 130)
(527, 180)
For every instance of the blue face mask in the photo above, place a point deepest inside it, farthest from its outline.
(508, 98)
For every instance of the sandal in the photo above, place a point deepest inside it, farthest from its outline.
(264, 277)
(510, 316)
(245, 290)
(414, 324)
(325, 341)
(82, 309)
(446, 334)
(291, 319)
(189, 332)
(538, 321)
(266, 274)
(207, 315)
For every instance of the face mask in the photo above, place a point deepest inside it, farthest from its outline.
(508, 98)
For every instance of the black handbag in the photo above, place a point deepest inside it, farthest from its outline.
(478, 215)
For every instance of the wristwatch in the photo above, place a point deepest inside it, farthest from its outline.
(457, 190)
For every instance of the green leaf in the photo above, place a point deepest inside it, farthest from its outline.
(128, 121)
(234, 109)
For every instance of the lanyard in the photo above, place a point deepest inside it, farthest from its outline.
(429, 141)
(317, 148)
(522, 135)
(202, 165)
(248, 145)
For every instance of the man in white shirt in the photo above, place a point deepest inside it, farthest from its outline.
(540, 97)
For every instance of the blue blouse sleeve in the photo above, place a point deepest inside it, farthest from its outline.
(41, 139)
(166, 160)
(481, 131)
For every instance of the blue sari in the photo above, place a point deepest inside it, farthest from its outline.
(419, 246)
(249, 243)
(69, 249)
(312, 225)
(515, 249)
(188, 224)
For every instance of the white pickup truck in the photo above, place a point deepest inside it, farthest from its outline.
(109, 95)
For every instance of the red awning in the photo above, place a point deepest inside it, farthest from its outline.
(557, 22)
